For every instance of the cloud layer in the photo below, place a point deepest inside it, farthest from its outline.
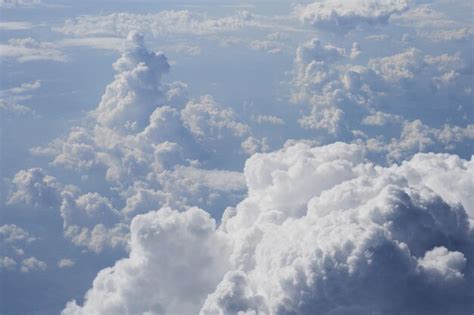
(285, 176)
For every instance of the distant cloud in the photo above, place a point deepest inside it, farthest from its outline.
(7, 263)
(436, 25)
(341, 16)
(11, 98)
(32, 264)
(19, 3)
(163, 23)
(15, 26)
(66, 263)
(29, 49)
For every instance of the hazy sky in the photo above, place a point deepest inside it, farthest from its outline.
(229, 157)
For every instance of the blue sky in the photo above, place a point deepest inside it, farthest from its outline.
(217, 157)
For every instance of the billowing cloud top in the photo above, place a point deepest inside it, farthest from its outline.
(321, 229)
(340, 15)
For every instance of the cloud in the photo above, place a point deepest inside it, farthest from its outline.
(418, 137)
(15, 25)
(148, 138)
(9, 109)
(10, 99)
(89, 220)
(140, 71)
(29, 49)
(234, 296)
(32, 264)
(34, 187)
(325, 248)
(7, 263)
(11, 233)
(207, 120)
(345, 96)
(381, 119)
(447, 175)
(434, 24)
(163, 23)
(321, 229)
(333, 229)
(269, 119)
(13, 240)
(253, 145)
(18, 92)
(10, 4)
(66, 263)
(442, 263)
(160, 275)
(340, 16)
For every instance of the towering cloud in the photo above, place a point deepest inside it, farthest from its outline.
(147, 136)
(131, 98)
(321, 230)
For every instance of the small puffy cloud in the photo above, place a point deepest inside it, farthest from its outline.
(440, 262)
(11, 233)
(340, 15)
(10, 99)
(253, 145)
(87, 209)
(13, 241)
(98, 237)
(399, 67)
(34, 187)
(269, 119)
(381, 119)
(66, 263)
(89, 220)
(208, 120)
(315, 50)
(7, 263)
(32, 264)
(273, 43)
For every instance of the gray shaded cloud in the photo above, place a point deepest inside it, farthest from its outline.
(321, 230)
